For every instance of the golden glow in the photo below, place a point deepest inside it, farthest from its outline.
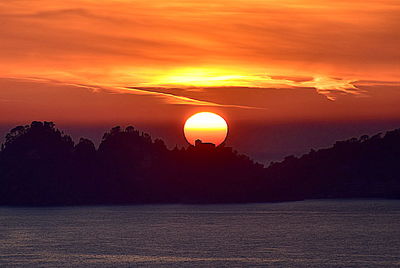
(207, 127)
(204, 77)
(150, 60)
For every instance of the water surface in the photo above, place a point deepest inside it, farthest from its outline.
(330, 233)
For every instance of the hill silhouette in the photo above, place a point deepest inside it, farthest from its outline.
(354, 168)
(40, 165)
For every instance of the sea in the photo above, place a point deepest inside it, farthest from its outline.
(312, 233)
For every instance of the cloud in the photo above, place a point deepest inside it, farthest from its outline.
(275, 55)
(332, 87)
(41, 99)
(46, 14)
(167, 98)
(291, 78)
(195, 79)
(175, 99)
(310, 36)
(376, 83)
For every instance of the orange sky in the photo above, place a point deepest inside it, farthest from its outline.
(87, 61)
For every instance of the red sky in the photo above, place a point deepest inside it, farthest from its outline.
(86, 62)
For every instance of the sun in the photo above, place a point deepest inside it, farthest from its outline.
(207, 127)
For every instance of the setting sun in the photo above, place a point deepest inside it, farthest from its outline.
(207, 127)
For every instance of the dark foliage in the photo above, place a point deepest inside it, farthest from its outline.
(356, 168)
(39, 165)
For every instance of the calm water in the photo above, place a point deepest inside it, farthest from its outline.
(363, 233)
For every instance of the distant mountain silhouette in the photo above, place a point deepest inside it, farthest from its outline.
(40, 165)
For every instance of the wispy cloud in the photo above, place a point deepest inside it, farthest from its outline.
(176, 99)
(306, 50)
(330, 87)
(377, 83)
(81, 35)
(168, 98)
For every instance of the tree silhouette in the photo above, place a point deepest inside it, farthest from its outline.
(35, 164)
(39, 165)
